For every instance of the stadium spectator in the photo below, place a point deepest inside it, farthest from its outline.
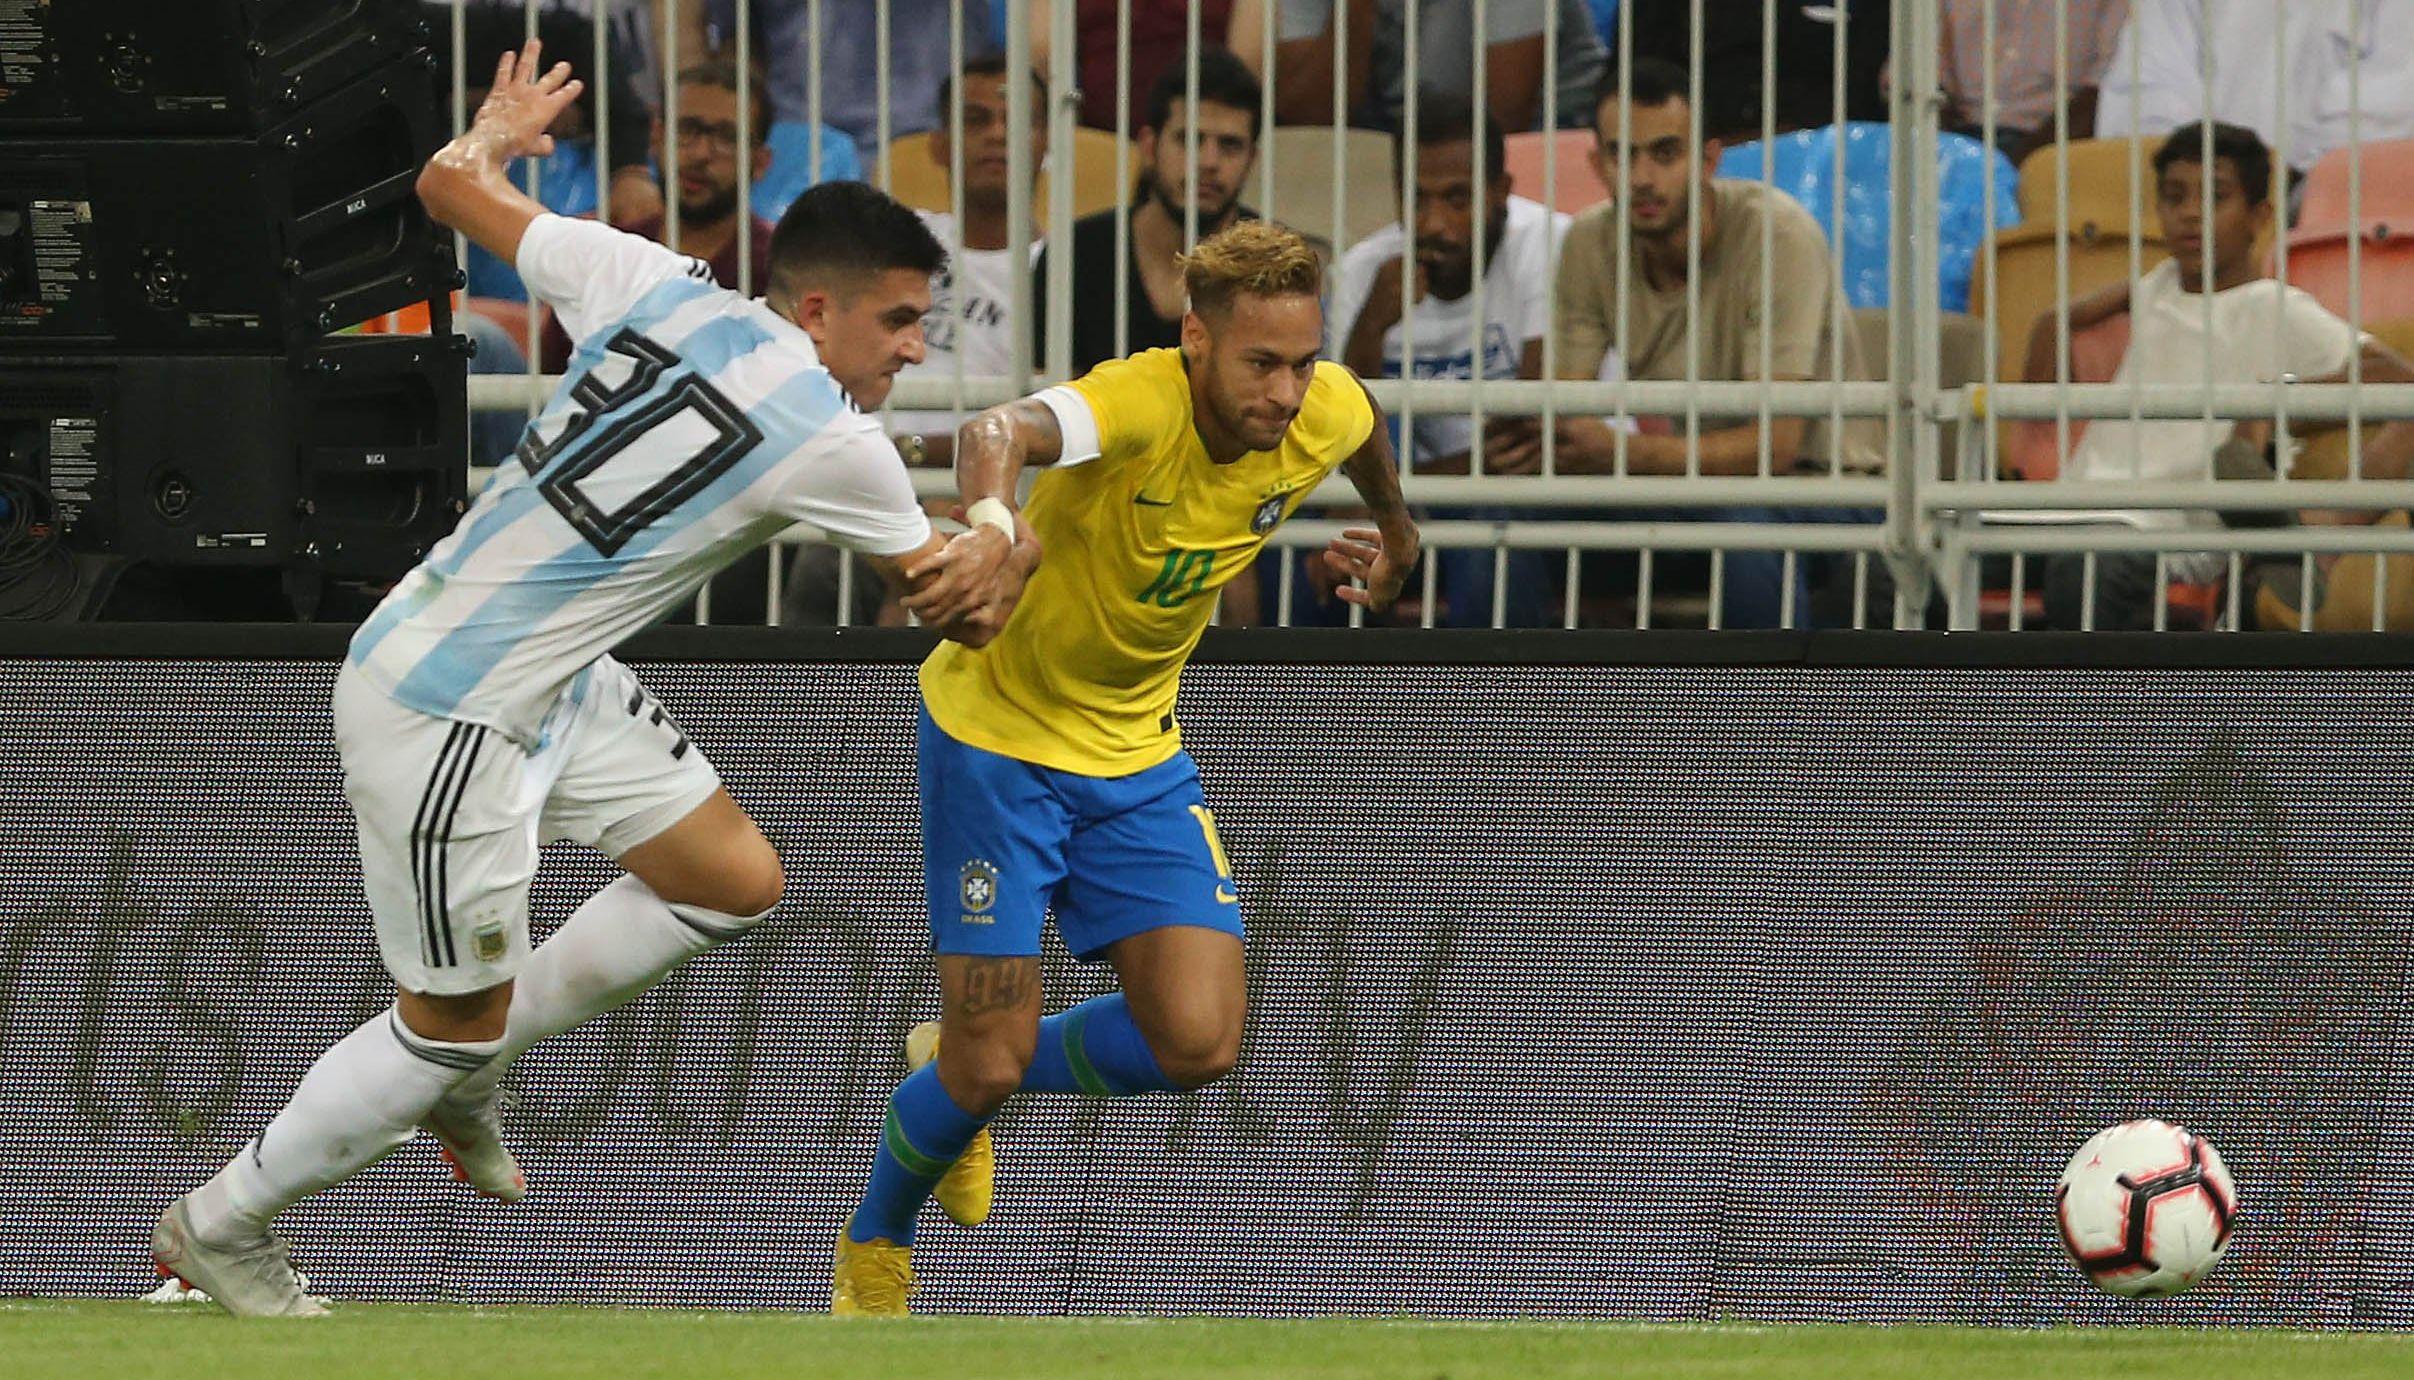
(1227, 143)
(709, 167)
(1732, 66)
(1728, 337)
(1365, 326)
(919, 54)
(2254, 329)
(970, 318)
(2025, 58)
(2186, 51)
(1511, 43)
(1303, 58)
(1160, 37)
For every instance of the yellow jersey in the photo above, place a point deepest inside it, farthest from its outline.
(1135, 545)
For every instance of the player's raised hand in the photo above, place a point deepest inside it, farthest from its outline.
(524, 103)
(1360, 555)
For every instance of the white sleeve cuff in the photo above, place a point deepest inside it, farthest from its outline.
(1075, 422)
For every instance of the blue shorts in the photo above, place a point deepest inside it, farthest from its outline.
(1005, 841)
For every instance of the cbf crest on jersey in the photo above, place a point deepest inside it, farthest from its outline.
(978, 887)
(1268, 514)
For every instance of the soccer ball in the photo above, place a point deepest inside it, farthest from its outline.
(2146, 1208)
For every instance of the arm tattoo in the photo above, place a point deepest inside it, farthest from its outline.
(998, 984)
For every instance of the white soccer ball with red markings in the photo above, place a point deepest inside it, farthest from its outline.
(2146, 1208)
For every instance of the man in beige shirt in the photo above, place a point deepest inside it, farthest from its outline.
(1792, 313)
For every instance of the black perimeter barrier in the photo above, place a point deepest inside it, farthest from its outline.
(1633, 975)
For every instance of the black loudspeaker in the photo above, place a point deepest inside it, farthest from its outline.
(341, 459)
(252, 243)
(187, 67)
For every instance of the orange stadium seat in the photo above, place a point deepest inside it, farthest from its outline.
(2388, 191)
(2323, 263)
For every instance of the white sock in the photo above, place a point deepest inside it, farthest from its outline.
(361, 1099)
(622, 941)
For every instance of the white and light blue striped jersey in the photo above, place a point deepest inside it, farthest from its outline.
(691, 426)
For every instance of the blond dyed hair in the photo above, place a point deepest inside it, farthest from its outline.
(1253, 257)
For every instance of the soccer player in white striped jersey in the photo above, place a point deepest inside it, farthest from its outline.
(478, 713)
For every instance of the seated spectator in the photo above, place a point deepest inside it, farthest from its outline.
(919, 54)
(1227, 140)
(2025, 46)
(1370, 297)
(1805, 67)
(709, 167)
(972, 300)
(1802, 344)
(970, 318)
(1160, 41)
(1305, 36)
(1447, 51)
(2261, 330)
(2319, 43)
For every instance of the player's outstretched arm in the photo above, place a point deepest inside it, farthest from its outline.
(1381, 556)
(464, 185)
(987, 565)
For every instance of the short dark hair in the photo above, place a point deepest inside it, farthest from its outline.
(1653, 82)
(1223, 80)
(721, 74)
(848, 230)
(1446, 117)
(992, 66)
(2242, 146)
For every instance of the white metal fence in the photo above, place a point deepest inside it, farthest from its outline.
(1949, 527)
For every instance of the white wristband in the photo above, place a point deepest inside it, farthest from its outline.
(993, 512)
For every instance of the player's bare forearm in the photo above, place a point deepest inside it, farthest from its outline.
(993, 448)
(464, 186)
(1374, 471)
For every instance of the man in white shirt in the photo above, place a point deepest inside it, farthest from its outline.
(1432, 330)
(479, 712)
(2322, 50)
(2247, 329)
(968, 329)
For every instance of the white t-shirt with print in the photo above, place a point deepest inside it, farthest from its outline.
(1517, 308)
(2258, 332)
(971, 310)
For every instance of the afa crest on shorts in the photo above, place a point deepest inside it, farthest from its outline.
(978, 887)
(1268, 514)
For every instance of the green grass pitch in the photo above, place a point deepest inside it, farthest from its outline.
(128, 1341)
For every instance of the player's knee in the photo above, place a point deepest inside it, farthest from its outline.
(1197, 1058)
(980, 1074)
(749, 885)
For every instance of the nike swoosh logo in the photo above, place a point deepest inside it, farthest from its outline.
(1145, 501)
(1227, 896)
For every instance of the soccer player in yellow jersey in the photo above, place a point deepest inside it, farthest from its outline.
(1051, 768)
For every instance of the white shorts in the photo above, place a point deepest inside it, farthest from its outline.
(451, 814)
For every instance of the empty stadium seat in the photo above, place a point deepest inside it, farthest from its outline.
(1803, 164)
(2387, 196)
(1303, 184)
(2323, 263)
(2100, 195)
(1579, 186)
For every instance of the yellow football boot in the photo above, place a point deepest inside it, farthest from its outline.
(870, 1279)
(965, 1190)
